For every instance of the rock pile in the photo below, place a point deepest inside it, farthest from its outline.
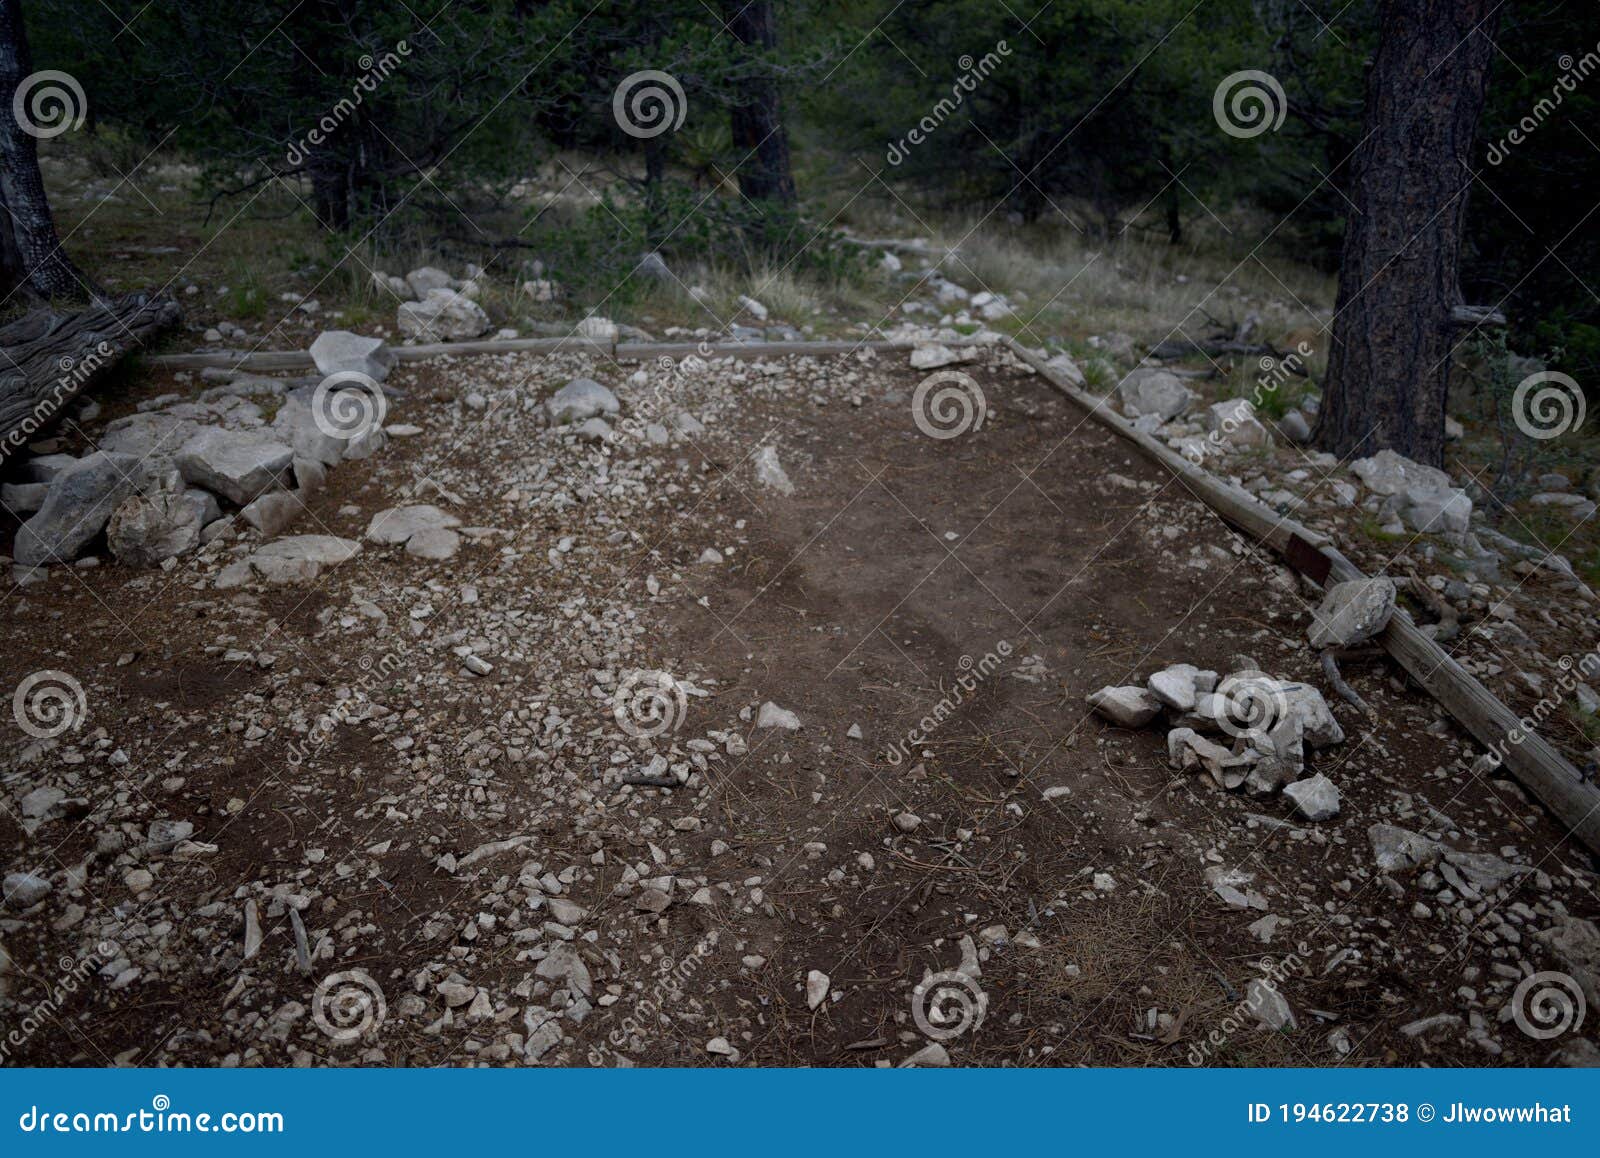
(171, 477)
(1270, 724)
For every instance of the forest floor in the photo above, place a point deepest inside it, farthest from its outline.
(414, 841)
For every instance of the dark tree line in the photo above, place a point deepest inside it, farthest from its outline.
(1096, 114)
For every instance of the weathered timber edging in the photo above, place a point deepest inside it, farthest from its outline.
(266, 361)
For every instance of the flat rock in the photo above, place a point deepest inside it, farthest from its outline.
(433, 543)
(154, 436)
(340, 351)
(1127, 707)
(324, 550)
(1175, 687)
(398, 524)
(1575, 942)
(235, 465)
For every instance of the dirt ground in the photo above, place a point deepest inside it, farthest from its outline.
(933, 610)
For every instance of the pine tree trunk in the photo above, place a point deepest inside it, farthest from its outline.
(1389, 363)
(765, 173)
(50, 271)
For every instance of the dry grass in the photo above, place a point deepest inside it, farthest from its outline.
(257, 247)
(1104, 966)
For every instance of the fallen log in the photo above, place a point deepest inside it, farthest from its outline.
(1570, 797)
(50, 358)
(1188, 348)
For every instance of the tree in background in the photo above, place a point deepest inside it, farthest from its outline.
(31, 257)
(766, 174)
(1393, 335)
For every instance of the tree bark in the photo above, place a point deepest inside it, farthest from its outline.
(765, 172)
(50, 272)
(1389, 362)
